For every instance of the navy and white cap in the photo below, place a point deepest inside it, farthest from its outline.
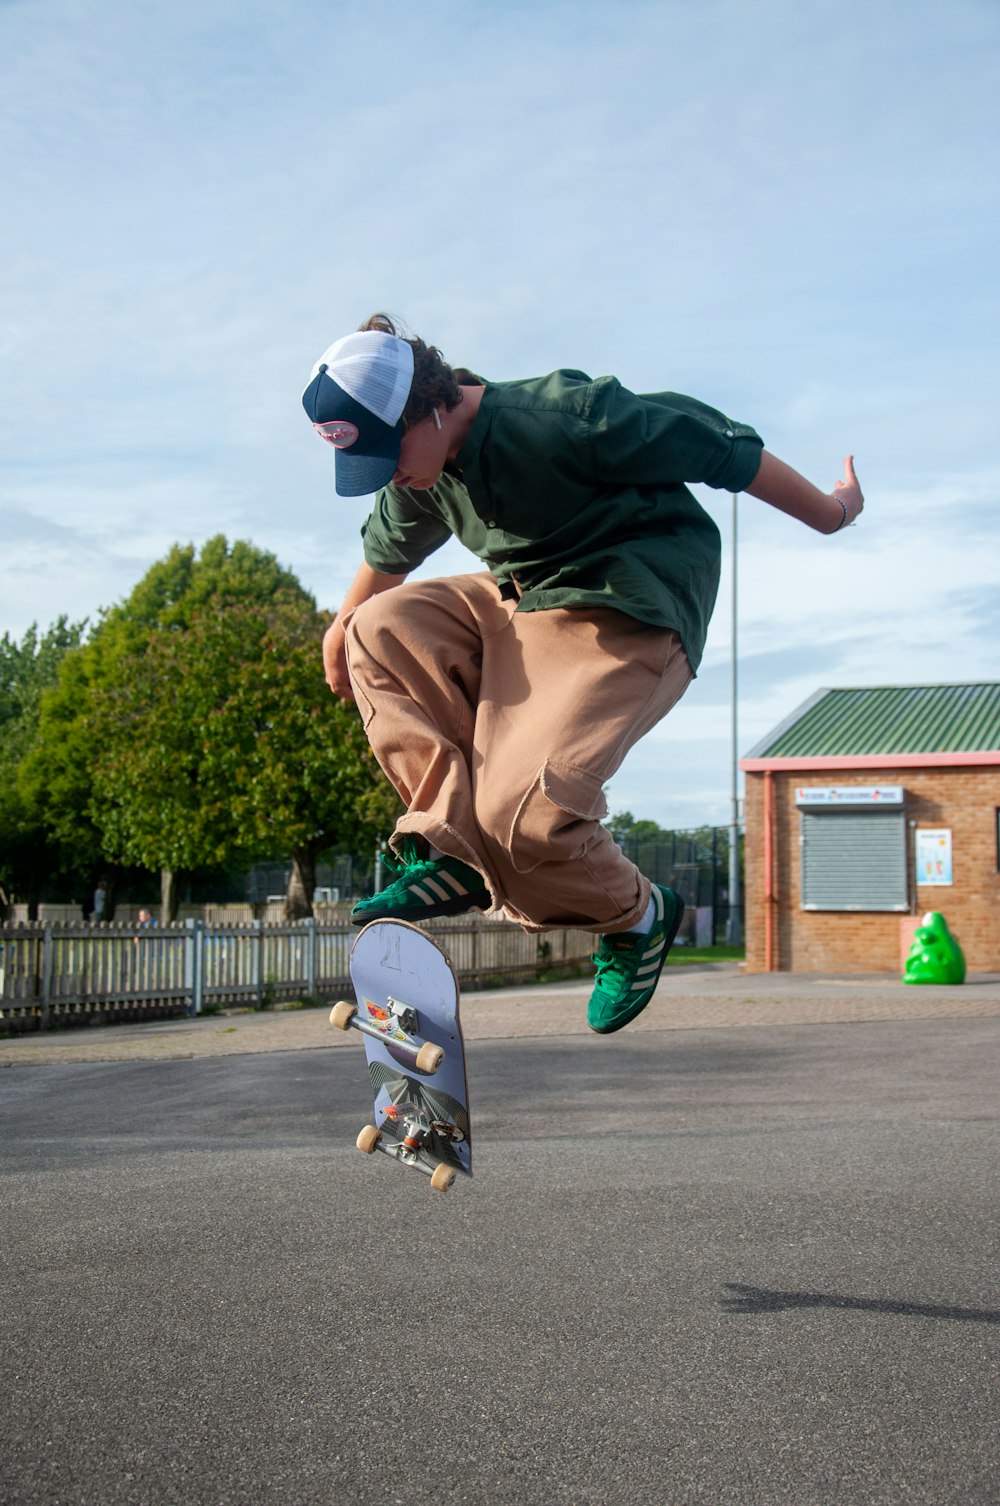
(355, 399)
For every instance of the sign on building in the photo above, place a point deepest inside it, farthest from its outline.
(850, 794)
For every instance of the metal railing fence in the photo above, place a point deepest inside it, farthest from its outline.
(64, 974)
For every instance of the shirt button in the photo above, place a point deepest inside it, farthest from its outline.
(730, 434)
(491, 523)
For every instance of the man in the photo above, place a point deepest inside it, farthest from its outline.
(499, 704)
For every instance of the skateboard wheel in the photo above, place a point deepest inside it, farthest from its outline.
(443, 1177)
(369, 1138)
(429, 1058)
(342, 1014)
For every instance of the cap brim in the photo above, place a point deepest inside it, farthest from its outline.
(357, 475)
(369, 464)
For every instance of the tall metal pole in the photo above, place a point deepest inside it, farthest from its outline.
(734, 923)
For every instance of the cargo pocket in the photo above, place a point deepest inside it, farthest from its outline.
(558, 819)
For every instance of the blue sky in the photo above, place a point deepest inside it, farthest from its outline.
(788, 209)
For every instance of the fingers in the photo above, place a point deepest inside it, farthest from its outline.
(850, 479)
(849, 493)
(850, 483)
(338, 679)
(335, 662)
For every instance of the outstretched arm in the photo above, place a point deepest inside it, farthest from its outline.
(366, 583)
(780, 486)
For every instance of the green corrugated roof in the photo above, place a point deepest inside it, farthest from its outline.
(890, 719)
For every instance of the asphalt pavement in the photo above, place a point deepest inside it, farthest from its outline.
(725, 1262)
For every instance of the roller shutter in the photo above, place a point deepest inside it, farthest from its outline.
(854, 859)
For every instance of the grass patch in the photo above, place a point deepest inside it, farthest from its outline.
(563, 972)
(684, 956)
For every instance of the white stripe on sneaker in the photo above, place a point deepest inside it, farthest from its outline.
(456, 884)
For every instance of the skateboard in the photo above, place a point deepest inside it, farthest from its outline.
(407, 1016)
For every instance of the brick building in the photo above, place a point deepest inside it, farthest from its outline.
(864, 810)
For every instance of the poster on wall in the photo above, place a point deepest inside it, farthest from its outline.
(934, 856)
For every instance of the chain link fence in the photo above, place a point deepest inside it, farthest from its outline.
(695, 864)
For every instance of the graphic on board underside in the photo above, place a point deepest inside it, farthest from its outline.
(401, 1099)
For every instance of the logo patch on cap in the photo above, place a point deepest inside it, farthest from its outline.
(338, 432)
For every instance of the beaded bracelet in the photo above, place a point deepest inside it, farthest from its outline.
(843, 520)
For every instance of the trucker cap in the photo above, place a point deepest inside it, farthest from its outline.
(355, 399)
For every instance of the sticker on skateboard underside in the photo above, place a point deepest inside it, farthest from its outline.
(382, 1020)
(388, 1026)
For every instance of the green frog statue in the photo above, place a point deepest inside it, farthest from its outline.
(935, 956)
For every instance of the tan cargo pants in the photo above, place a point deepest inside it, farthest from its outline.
(499, 728)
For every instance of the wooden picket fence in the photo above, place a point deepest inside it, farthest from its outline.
(64, 974)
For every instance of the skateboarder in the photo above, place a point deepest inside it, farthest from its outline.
(500, 703)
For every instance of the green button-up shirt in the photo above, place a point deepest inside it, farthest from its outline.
(575, 489)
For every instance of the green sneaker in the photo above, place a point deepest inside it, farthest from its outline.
(424, 887)
(629, 964)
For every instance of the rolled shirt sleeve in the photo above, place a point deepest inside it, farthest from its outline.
(400, 534)
(657, 438)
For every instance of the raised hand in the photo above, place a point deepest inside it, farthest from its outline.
(849, 492)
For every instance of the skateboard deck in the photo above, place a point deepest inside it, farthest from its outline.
(407, 1015)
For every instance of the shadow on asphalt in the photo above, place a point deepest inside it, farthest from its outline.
(758, 1299)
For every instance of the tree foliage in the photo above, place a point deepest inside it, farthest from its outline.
(58, 779)
(226, 743)
(632, 835)
(194, 727)
(625, 828)
(27, 670)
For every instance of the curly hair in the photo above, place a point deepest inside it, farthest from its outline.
(435, 384)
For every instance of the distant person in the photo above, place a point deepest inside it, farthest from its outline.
(100, 901)
(146, 951)
(500, 704)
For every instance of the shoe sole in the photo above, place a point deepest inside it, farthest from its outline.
(629, 1015)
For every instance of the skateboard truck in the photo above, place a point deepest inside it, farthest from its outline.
(417, 1129)
(426, 1058)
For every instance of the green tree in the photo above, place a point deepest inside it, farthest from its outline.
(625, 828)
(77, 731)
(708, 840)
(225, 742)
(27, 670)
(294, 760)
